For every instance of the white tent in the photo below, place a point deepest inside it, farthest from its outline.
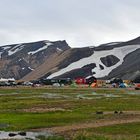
(6, 80)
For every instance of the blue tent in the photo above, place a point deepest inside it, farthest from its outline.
(122, 85)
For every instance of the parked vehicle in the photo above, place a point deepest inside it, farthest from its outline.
(27, 83)
(61, 81)
(4, 83)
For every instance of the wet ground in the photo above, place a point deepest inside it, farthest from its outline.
(23, 135)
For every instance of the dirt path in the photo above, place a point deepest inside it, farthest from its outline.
(131, 112)
(134, 117)
(96, 124)
(41, 109)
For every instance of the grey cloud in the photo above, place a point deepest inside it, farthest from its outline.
(80, 22)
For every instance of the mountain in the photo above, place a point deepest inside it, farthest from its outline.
(18, 60)
(47, 59)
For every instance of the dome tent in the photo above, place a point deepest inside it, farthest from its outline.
(116, 81)
(91, 80)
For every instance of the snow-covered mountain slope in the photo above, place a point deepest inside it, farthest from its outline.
(106, 61)
(47, 59)
(99, 72)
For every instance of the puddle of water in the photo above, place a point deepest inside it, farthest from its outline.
(46, 95)
(111, 96)
(80, 96)
(30, 97)
(53, 95)
(134, 93)
(96, 96)
(94, 93)
(8, 94)
(84, 96)
(105, 95)
(29, 135)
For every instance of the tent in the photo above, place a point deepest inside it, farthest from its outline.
(116, 80)
(91, 80)
(122, 85)
(80, 80)
(93, 85)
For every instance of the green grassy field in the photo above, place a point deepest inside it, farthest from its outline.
(39, 108)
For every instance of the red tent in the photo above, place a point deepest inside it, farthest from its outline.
(80, 80)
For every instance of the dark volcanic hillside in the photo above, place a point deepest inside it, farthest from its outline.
(18, 60)
(48, 59)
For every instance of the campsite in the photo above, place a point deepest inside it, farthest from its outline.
(69, 70)
(75, 113)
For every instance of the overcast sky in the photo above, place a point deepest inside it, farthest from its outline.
(79, 22)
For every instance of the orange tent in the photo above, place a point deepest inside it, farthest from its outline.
(93, 85)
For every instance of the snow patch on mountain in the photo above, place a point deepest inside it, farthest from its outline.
(91, 47)
(6, 47)
(15, 49)
(41, 49)
(112, 43)
(95, 58)
(30, 68)
(60, 50)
